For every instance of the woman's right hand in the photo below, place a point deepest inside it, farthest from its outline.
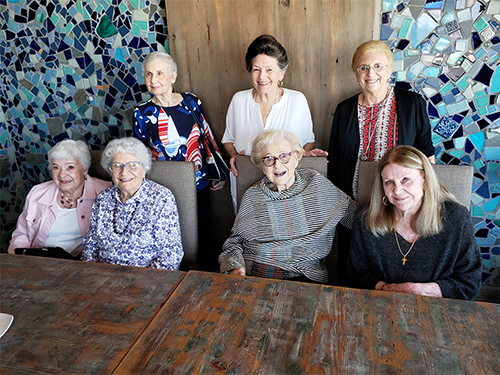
(238, 271)
(233, 164)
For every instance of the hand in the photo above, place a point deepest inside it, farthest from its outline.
(238, 271)
(315, 152)
(232, 163)
(423, 289)
(432, 159)
(217, 185)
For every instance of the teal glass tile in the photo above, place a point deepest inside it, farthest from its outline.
(495, 82)
(453, 58)
(462, 84)
(457, 153)
(448, 17)
(405, 28)
(415, 70)
(478, 141)
(491, 205)
(441, 43)
(421, 28)
(463, 15)
(398, 56)
(480, 53)
(397, 21)
(483, 111)
(441, 107)
(492, 153)
(446, 88)
(482, 101)
(401, 76)
(480, 25)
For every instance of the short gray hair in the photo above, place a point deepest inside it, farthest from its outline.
(171, 65)
(130, 146)
(69, 148)
(267, 137)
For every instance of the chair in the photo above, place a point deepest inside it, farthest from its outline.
(457, 177)
(249, 174)
(183, 186)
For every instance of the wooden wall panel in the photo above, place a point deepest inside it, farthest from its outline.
(208, 39)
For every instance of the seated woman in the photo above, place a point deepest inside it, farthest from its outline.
(135, 221)
(57, 212)
(414, 237)
(286, 223)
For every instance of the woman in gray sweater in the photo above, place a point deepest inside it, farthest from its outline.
(414, 237)
(286, 222)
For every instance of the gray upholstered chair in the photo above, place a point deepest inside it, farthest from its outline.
(179, 177)
(457, 177)
(249, 174)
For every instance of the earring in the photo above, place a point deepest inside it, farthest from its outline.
(385, 201)
(280, 83)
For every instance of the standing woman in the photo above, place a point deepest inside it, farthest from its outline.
(165, 125)
(372, 122)
(267, 105)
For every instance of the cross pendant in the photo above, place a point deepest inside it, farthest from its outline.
(404, 260)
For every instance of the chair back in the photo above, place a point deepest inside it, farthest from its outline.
(457, 177)
(179, 177)
(249, 174)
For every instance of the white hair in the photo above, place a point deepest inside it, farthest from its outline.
(130, 146)
(69, 148)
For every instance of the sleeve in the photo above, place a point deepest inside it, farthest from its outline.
(305, 119)
(90, 248)
(229, 132)
(465, 281)
(358, 270)
(20, 237)
(168, 235)
(423, 139)
(231, 257)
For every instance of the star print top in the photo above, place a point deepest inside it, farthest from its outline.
(143, 232)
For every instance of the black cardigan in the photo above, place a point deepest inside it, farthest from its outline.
(414, 129)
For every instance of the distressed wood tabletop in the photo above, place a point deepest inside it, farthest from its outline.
(224, 324)
(75, 317)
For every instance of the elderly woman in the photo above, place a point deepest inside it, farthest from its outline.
(286, 223)
(135, 221)
(414, 237)
(57, 212)
(165, 125)
(267, 105)
(372, 122)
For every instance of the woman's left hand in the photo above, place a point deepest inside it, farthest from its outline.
(217, 185)
(315, 152)
(423, 289)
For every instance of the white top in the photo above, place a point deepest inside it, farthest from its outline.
(244, 119)
(66, 232)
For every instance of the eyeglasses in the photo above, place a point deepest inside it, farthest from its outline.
(132, 166)
(284, 158)
(364, 69)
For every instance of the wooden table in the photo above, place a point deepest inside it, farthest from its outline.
(222, 324)
(75, 317)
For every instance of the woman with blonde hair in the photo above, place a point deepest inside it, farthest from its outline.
(413, 237)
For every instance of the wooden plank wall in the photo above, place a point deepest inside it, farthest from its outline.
(208, 40)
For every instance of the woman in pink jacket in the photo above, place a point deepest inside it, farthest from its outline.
(57, 212)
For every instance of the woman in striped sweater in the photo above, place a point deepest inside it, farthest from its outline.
(285, 225)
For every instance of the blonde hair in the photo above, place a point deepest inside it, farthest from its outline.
(371, 45)
(267, 137)
(381, 219)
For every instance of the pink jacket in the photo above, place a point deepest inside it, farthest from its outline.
(40, 210)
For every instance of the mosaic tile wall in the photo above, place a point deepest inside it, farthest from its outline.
(72, 69)
(67, 69)
(448, 51)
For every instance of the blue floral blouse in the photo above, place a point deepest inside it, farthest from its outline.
(143, 232)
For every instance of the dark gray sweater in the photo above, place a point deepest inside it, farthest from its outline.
(450, 258)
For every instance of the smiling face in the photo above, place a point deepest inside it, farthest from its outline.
(281, 175)
(157, 77)
(128, 182)
(374, 82)
(68, 174)
(266, 74)
(404, 187)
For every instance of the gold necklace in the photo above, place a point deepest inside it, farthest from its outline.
(399, 248)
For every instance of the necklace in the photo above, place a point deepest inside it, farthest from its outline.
(68, 202)
(371, 131)
(130, 220)
(399, 248)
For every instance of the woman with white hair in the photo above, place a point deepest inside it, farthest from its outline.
(57, 213)
(135, 221)
(286, 223)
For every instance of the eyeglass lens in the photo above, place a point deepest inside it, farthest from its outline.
(132, 166)
(284, 158)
